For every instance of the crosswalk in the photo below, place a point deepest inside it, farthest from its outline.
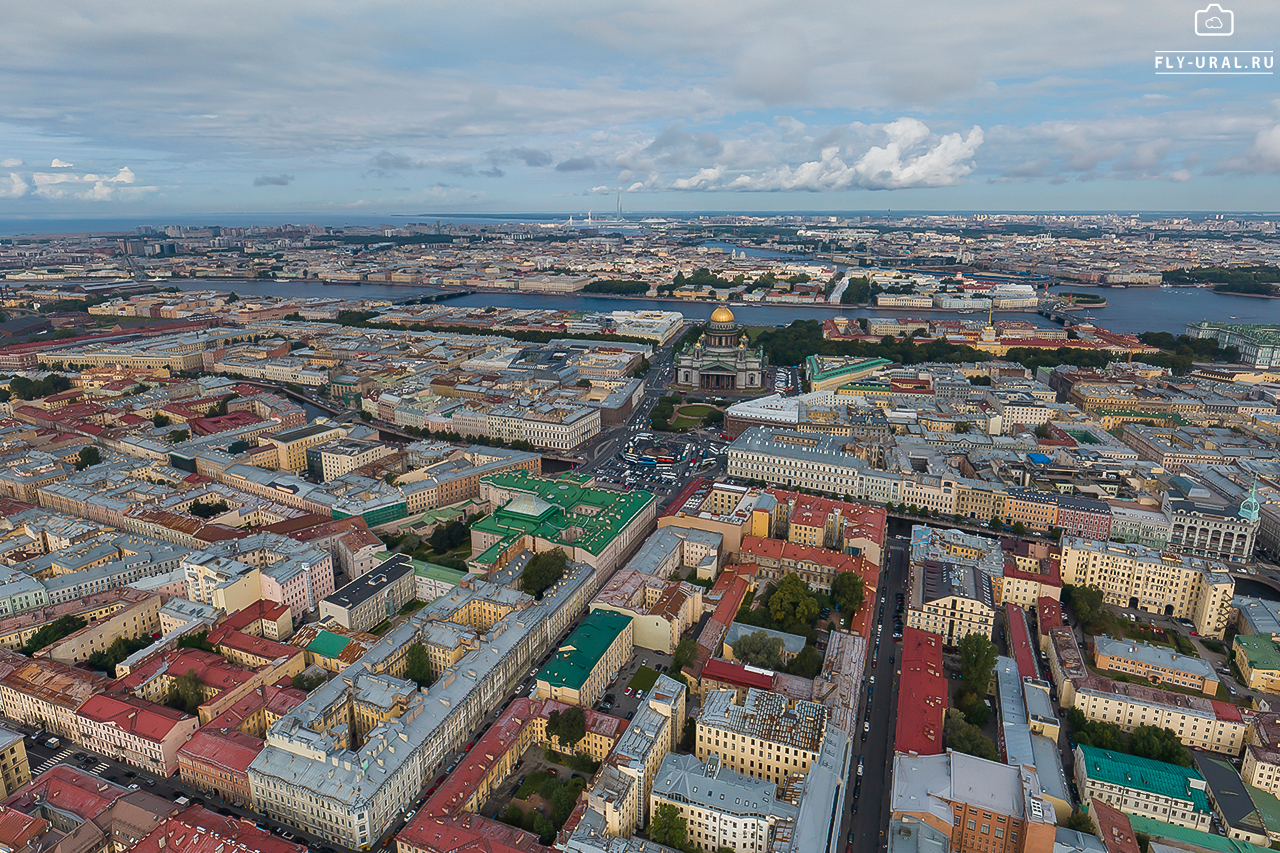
(64, 757)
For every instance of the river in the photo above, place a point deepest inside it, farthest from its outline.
(1127, 310)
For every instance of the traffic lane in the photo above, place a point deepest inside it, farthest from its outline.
(872, 820)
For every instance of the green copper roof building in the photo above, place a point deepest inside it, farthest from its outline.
(1142, 774)
(561, 512)
(573, 664)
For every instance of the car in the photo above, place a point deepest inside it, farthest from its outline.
(866, 729)
(80, 756)
(873, 679)
(626, 692)
(467, 748)
(851, 836)
(150, 783)
(631, 715)
(130, 773)
(133, 787)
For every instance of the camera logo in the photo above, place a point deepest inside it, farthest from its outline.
(1213, 20)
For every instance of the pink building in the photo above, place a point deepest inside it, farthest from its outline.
(136, 731)
(298, 583)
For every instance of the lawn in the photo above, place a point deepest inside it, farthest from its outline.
(643, 679)
(1143, 633)
(532, 783)
(412, 606)
(379, 630)
(697, 410)
(685, 423)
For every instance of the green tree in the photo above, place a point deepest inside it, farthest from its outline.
(1086, 603)
(1159, 745)
(689, 736)
(306, 683)
(567, 727)
(793, 605)
(513, 815)
(1079, 821)
(87, 456)
(977, 660)
(684, 651)
(848, 590)
(807, 664)
(759, 648)
(967, 738)
(186, 693)
(1097, 733)
(542, 571)
(201, 509)
(178, 435)
(160, 420)
(417, 666)
(668, 827)
(1018, 528)
(48, 634)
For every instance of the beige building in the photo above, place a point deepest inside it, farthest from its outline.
(660, 610)
(951, 600)
(15, 768)
(220, 582)
(588, 660)
(1161, 582)
(722, 808)
(45, 693)
(1156, 664)
(1196, 720)
(292, 444)
(768, 736)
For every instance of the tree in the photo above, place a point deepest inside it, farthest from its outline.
(793, 605)
(178, 435)
(417, 666)
(1018, 528)
(568, 727)
(87, 456)
(233, 297)
(759, 648)
(186, 693)
(684, 651)
(1159, 745)
(807, 664)
(1086, 603)
(306, 683)
(848, 590)
(668, 827)
(160, 420)
(689, 735)
(967, 738)
(977, 660)
(1079, 821)
(50, 633)
(543, 571)
(208, 510)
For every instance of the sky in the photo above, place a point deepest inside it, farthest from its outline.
(129, 108)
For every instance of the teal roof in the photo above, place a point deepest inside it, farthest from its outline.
(1200, 840)
(328, 644)
(578, 656)
(444, 574)
(547, 508)
(1261, 652)
(1143, 774)
(825, 367)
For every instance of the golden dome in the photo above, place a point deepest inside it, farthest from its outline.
(722, 315)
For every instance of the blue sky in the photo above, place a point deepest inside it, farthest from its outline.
(111, 109)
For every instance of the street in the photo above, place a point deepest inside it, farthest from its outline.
(872, 819)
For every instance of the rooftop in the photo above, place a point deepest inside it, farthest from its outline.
(1143, 774)
(581, 651)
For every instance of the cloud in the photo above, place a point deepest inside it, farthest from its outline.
(273, 180)
(10, 163)
(60, 164)
(86, 187)
(1262, 156)
(13, 186)
(577, 164)
(531, 157)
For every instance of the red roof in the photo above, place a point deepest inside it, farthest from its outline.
(1048, 614)
(730, 672)
(269, 611)
(213, 670)
(681, 499)
(142, 719)
(1115, 828)
(1020, 641)
(467, 832)
(16, 828)
(1226, 711)
(229, 749)
(260, 646)
(195, 829)
(922, 694)
(67, 789)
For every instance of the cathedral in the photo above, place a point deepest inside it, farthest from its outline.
(721, 360)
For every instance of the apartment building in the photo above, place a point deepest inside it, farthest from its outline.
(45, 693)
(816, 566)
(15, 767)
(1162, 582)
(660, 610)
(372, 598)
(1202, 525)
(555, 426)
(768, 736)
(1140, 786)
(977, 806)
(292, 444)
(1258, 659)
(588, 660)
(1156, 664)
(340, 456)
(135, 731)
(722, 808)
(950, 600)
(1197, 721)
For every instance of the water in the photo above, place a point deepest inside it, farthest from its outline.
(1130, 310)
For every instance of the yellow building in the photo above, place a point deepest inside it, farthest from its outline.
(292, 444)
(15, 768)
(768, 736)
(589, 659)
(1259, 661)
(226, 584)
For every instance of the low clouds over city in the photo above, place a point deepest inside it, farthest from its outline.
(764, 105)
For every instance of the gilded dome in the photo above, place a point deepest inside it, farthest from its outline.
(722, 315)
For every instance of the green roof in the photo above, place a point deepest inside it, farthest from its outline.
(549, 509)
(328, 644)
(824, 367)
(1143, 774)
(444, 574)
(574, 660)
(1202, 840)
(1268, 807)
(1260, 651)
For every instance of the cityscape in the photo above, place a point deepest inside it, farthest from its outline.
(712, 428)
